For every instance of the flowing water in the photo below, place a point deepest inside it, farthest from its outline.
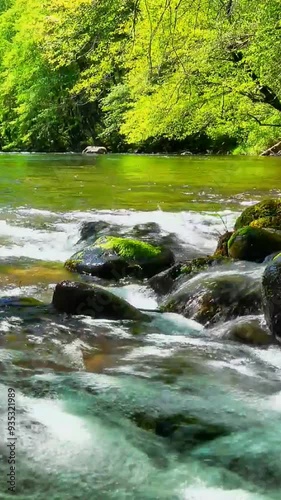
(123, 410)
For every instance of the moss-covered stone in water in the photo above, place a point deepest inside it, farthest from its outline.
(127, 248)
(253, 244)
(199, 264)
(112, 257)
(265, 208)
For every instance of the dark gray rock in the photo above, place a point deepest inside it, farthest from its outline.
(271, 293)
(91, 300)
(216, 298)
(115, 257)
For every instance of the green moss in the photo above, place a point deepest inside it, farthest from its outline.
(267, 222)
(253, 244)
(29, 302)
(244, 231)
(128, 248)
(201, 263)
(71, 264)
(265, 208)
(277, 256)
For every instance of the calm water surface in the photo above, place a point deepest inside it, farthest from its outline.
(119, 410)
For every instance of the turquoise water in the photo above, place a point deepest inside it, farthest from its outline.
(124, 410)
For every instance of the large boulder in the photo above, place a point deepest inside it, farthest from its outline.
(265, 208)
(91, 300)
(171, 278)
(214, 298)
(113, 258)
(253, 244)
(94, 150)
(271, 293)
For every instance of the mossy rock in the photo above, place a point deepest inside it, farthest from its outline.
(165, 281)
(76, 298)
(267, 222)
(271, 294)
(26, 308)
(249, 331)
(266, 208)
(199, 264)
(212, 299)
(222, 246)
(112, 257)
(253, 244)
(19, 302)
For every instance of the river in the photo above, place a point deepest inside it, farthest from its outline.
(116, 410)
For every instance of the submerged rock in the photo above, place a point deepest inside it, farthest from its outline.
(171, 278)
(210, 299)
(27, 308)
(266, 208)
(184, 431)
(113, 258)
(271, 293)
(91, 300)
(253, 244)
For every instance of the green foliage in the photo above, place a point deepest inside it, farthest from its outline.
(133, 72)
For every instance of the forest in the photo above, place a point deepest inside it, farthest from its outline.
(140, 75)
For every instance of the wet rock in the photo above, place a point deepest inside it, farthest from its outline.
(222, 246)
(93, 230)
(91, 300)
(182, 430)
(211, 299)
(250, 331)
(265, 208)
(270, 257)
(148, 231)
(24, 307)
(113, 258)
(253, 244)
(163, 283)
(171, 278)
(94, 150)
(271, 293)
(151, 232)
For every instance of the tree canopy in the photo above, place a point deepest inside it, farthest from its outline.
(140, 74)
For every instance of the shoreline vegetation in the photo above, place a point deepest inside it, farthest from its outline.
(164, 76)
